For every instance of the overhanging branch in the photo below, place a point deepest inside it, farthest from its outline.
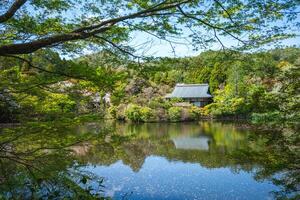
(84, 32)
(12, 10)
(117, 46)
(214, 27)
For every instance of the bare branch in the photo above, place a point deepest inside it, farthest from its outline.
(217, 37)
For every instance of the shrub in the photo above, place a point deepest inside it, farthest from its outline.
(269, 117)
(30, 104)
(120, 112)
(156, 103)
(176, 100)
(230, 107)
(214, 109)
(133, 113)
(138, 114)
(174, 113)
(205, 110)
(238, 106)
(161, 114)
(186, 115)
(146, 114)
(57, 103)
(195, 112)
(113, 111)
(160, 102)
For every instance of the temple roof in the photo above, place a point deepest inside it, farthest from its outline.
(190, 91)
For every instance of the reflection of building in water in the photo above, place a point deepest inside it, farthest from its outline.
(197, 143)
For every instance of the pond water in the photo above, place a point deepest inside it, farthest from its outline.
(206, 160)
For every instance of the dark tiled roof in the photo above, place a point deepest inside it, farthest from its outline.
(190, 91)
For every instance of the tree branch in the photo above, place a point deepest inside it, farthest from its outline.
(217, 37)
(143, 13)
(82, 33)
(209, 25)
(116, 46)
(12, 10)
(225, 10)
(29, 47)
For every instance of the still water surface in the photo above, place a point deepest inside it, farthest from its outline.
(156, 161)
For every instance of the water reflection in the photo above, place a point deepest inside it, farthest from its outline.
(148, 161)
(160, 178)
(197, 143)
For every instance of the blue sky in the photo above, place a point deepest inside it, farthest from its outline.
(163, 49)
(160, 48)
(182, 46)
(148, 45)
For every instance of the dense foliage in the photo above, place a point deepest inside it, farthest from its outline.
(72, 25)
(49, 87)
(44, 76)
(36, 83)
(263, 86)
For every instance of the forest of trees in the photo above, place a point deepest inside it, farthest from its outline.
(45, 72)
(60, 58)
(262, 86)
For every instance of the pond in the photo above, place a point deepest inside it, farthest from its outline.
(205, 160)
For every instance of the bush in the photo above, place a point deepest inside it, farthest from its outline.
(146, 114)
(205, 110)
(195, 112)
(174, 113)
(120, 112)
(139, 114)
(57, 103)
(230, 107)
(186, 115)
(161, 114)
(176, 100)
(160, 102)
(238, 106)
(113, 111)
(133, 113)
(214, 109)
(269, 117)
(157, 103)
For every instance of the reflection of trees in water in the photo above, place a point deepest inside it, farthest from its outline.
(156, 139)
(47, 159)
(276, 159)
(36, 162)
(264, 154)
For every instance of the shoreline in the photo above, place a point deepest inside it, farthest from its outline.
(241, 123)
